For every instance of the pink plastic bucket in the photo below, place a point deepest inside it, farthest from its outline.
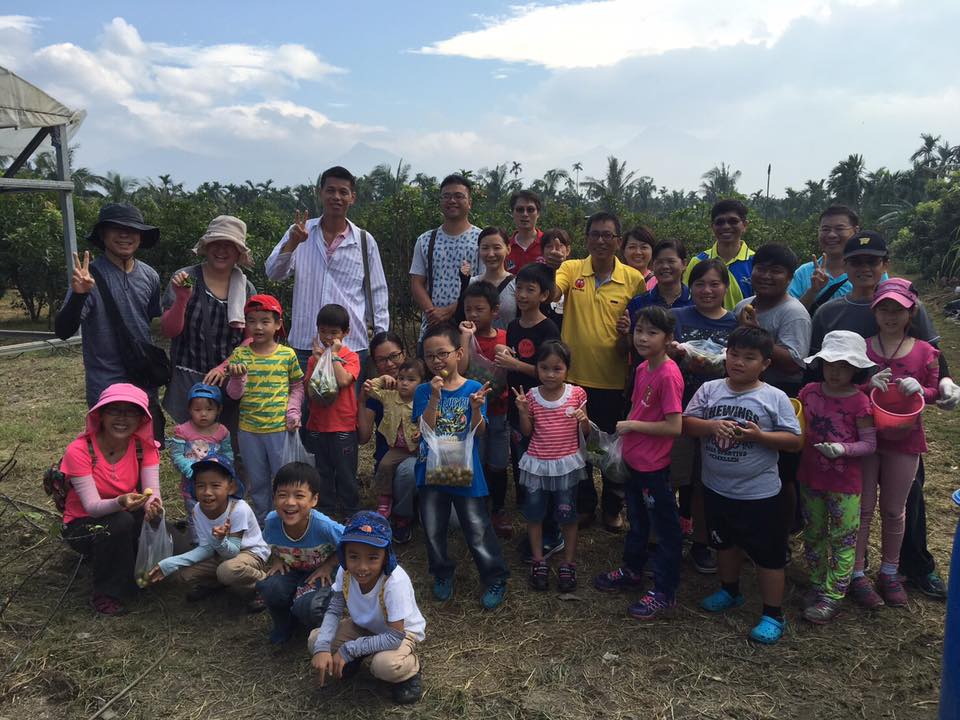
(895, 414)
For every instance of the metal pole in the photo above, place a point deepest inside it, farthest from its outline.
(61, 137)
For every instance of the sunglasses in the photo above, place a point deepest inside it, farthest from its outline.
(529, 210)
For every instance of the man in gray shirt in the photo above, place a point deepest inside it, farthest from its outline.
(135, 287)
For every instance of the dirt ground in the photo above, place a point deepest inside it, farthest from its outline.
(536, 657)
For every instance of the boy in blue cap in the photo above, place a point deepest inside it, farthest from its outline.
(231, 553)
(385, 623)
(198, 437)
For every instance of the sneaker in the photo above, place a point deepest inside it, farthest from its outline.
(811, 597)
(567, 578)
(822, 611)
(385, 505)
(539, 575)
(931, 585)
(443, 588)
(704, 559)
(409, 691)
(862, 592)
(552, 547)
(651, 606)
(493, 597)
(891, 590)
(107, 605)
(502, 524)
(402, 531)
(619, 580)
(720, 601)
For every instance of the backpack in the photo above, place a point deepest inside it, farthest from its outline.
(56, 484)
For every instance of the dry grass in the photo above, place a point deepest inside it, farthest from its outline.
(536, 657)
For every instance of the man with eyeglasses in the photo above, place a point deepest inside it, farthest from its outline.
(525, 246)
(866, 260)
(825, 278)
(728, 221)
(439, 253)
(596, 291)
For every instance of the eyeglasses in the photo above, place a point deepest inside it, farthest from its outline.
(723, 222)
(838, 229)
(122, 412)
(441, 356)
(391, 358)
(458, 196)
(606, 236)
(528, 210)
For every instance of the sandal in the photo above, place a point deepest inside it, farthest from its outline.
(768, 631)
(107, 605)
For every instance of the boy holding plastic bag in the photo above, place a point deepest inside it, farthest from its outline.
(231, 553)
(332, 424)
(450, 409)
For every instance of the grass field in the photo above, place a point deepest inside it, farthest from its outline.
(536, 657)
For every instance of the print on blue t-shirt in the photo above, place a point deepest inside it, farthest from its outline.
(307, 553)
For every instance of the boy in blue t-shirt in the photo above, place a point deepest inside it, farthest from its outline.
(452, 406)
(303, 543)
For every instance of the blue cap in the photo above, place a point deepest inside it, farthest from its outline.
(209, 392)
(224, 463)
(369, 528)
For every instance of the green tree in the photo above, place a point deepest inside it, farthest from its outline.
(846, 181)
(719, 182)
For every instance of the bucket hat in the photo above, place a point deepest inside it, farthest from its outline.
(122, 393)
(125, 215)
(230, 229)
(843, 345)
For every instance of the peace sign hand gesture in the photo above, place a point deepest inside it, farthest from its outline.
(819, 279)
(520, 398)
(82, 281)
(477, 398)
(298, 231)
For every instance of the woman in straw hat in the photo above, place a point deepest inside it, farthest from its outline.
(203, 312)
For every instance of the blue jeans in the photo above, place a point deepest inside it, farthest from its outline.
(278, 593)
(649, 495)
(404, 488)
(478, 532)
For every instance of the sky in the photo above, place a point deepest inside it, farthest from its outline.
(233, 91)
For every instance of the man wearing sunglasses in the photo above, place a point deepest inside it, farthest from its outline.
(525, 245)
(728, 221)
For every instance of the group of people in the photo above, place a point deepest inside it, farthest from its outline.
(727, 397)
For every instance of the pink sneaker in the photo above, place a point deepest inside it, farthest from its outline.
(385, 505)
(891, 589)
(862, 592)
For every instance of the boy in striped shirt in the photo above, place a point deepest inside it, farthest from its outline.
(265, 377)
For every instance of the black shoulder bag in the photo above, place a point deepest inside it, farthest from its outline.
(147, 365)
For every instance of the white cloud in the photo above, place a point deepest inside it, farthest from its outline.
(600, 34)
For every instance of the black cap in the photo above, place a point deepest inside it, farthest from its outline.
(125, 215)
(866, 242)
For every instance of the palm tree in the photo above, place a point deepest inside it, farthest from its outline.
(495, 184)
(551, 182)
(924, 154)
(117, 187)
(577, 167)
(846, 181)
(720, 182)
(515, 169)
(611, 191)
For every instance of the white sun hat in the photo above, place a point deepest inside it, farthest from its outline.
(843, 345)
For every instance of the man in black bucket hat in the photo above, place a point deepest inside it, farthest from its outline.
(135, 289)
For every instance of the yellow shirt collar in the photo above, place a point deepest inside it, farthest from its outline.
(743, 254)
(618, 275)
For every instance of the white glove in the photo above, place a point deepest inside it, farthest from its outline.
(830, 450)
(881, 380)
(949, 395)
(910, 386)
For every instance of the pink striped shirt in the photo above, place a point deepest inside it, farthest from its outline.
(554, 427)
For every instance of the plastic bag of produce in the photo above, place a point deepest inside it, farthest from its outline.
(155, 545)
(323, 381)
(484, 370)
(605, 451)
(294, 451)
(450, 460)
(706, 354)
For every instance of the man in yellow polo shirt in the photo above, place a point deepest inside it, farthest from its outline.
(728, 220)
(596, 291)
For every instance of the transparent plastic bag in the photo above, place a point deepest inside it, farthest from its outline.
(155, 544)
(704, 354)
(483, 370)
(605, 451)
(294, 451)
(450, 457)
(323, 381)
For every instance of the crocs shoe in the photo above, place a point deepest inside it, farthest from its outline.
(822, 611)
(862, 592)
(891, 590)
(651, 606)
(493, 597)
(768, 631)
(721, 601)
(539, 575)
(567, 578)
(443, 588)
(620, 580)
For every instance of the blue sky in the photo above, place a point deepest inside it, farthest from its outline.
(236, 91)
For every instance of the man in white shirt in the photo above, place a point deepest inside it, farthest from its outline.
(325, 253)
